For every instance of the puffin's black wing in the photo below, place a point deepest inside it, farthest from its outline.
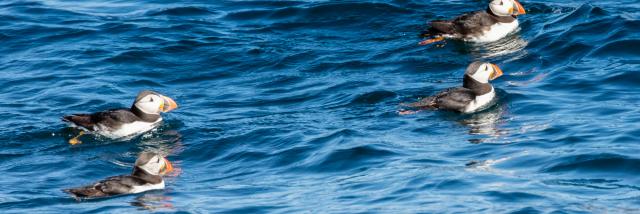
(469, 23)
(474, 22)
(110, 118)
(455, 99)
(439, 27)
(111, 186)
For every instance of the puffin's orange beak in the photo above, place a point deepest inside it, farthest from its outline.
(168, 104)
(497, 72)
(519, 7)
(167, 166)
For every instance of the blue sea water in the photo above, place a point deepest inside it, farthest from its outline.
(291, 106)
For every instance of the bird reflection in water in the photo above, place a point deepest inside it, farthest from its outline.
(168, 142)
(153, 202)
(165, 141)
(486, 123)
(508, 45)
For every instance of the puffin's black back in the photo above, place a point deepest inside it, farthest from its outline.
(109, 187)
(111, 118)
(473, 23)
(116, 185)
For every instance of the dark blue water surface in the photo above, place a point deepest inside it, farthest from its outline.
(291, 106)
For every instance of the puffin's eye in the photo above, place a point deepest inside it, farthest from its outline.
(151, 99)
(501, 3)
(158, 160)
(486, 68)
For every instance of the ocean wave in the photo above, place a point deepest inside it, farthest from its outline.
(183, 11)
(291, 106)
(595, 163)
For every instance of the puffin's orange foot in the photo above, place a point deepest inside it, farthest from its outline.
(75, 140)
(429, 41)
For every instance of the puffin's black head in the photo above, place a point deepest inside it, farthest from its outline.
(506, 7)
(153, 163)
(483, 71)
(152, 102)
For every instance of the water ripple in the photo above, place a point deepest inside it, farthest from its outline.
(291, 106)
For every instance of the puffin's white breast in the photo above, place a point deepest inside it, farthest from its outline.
(496, 32)
(128, 129)
(147, 187)
(480, 102)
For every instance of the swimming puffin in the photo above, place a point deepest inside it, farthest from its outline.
(143, 116)
(475, 94)
(146, 176)
(492, 24)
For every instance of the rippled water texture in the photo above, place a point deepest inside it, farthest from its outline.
(289, 106)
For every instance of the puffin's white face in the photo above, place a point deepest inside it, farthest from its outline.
(486, 72)
(157, 165)
(155, 103)
(150, 104)
(506, 7)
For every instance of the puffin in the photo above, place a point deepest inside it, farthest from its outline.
(147, 175)
(489, 25)
(143, 116)
(475, 94)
